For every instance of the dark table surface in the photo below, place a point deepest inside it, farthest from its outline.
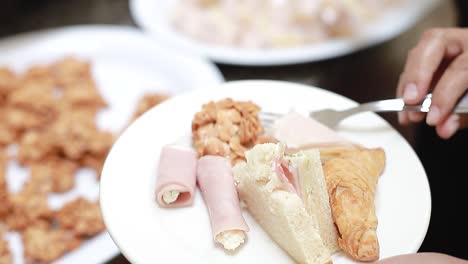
(366, 75)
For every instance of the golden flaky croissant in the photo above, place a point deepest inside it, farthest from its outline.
(351, 180)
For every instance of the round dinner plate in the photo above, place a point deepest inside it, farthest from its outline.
(126, 65)
(154, 16)
(146, 233)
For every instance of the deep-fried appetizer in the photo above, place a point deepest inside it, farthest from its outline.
(27, 208)
(226, 128)
(43, 244)
(82, 217)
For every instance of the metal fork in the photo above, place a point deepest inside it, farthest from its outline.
(331, 118)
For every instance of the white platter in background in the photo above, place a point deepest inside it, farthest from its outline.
(148, 234)
(153, 16)
(126, 65)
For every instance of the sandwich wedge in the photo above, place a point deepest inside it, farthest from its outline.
(287, 196)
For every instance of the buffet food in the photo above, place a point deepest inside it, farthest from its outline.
(309, 188)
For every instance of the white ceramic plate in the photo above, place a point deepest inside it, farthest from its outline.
(148, 234)
(153, 16)
(126, 65)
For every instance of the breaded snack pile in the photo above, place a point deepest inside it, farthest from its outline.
(5, 255)
(4, 199)
(49, 113)
(226, 128)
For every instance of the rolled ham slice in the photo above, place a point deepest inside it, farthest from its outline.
(176, 180)
(214, 176)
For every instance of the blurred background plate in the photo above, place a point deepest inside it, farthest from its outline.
(125, 65)
(153, 16)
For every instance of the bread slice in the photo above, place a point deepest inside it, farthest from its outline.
(314, 194)
(280, 212)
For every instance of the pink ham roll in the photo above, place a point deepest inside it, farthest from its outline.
(176, 180)
(214, 176)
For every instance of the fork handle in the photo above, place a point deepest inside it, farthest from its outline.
(398, 105)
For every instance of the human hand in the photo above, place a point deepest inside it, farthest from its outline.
(439, 62)
(422, 258)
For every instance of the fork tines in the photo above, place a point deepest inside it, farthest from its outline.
(268, 118)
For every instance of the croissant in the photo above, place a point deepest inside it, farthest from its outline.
(351, 180)
(331, 152)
